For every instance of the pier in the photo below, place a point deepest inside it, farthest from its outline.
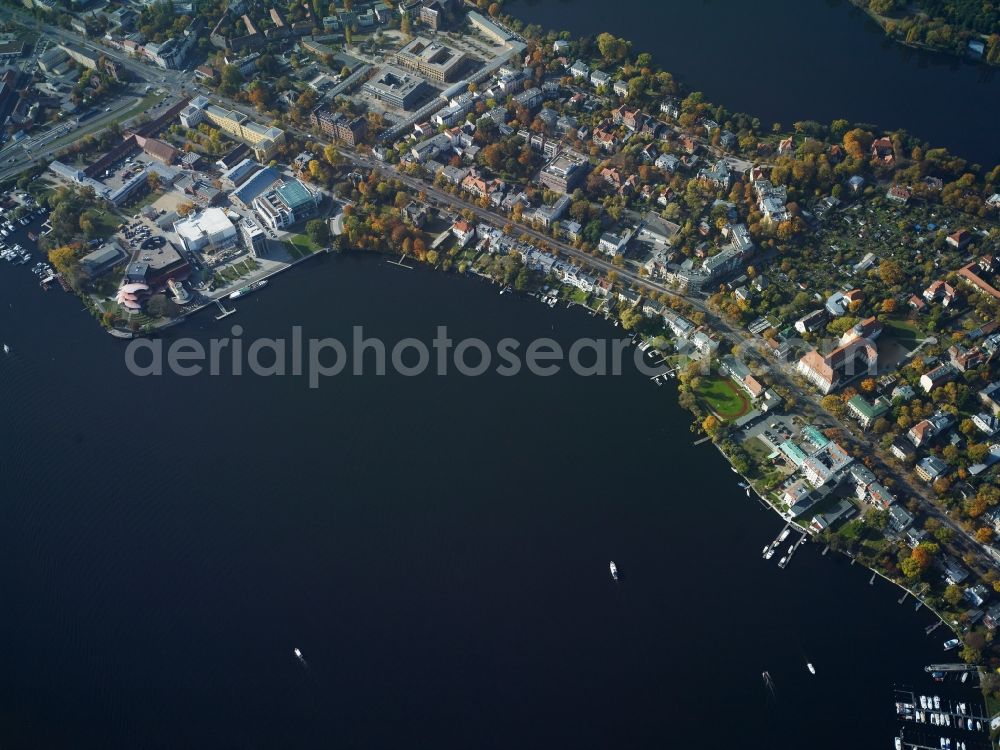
(950, 668)
(223, 312)
(400, 263)
(788, 557)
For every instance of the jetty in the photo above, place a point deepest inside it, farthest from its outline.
(791, 552)
(400, 263)
(223, 312)
(950, 668)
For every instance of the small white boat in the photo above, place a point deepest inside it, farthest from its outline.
(298, 654)
(784, 535)
(950, 644)
(766, 549)
(783, 560)
(811, 668)
(937, 703)
(965, 676)
(769, 555)
(899, 744)
(614, 570)
(6, 349)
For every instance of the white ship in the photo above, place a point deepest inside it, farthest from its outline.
(614, 570)
(811, 668)
(298, 654)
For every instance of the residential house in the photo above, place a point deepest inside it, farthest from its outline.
(987, 424)
(930, 468)
(960, 239)
(899, 194)
(611, 244)
(924, 431)
(940, 290)
(599, 78)
(937, 377)
(463, 231)
(900, 519)
(963, 359)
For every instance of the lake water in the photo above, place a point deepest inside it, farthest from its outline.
(437, 547)
(790, 60)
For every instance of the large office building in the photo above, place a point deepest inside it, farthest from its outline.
(337, 125)
(209, 229)
(432, 60)
(287, 204)
(264, 140)
(564, 172)
(396, 88)
(254, 238)
(156, 265)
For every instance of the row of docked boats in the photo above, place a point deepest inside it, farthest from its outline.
(16, 254)
(771, 548)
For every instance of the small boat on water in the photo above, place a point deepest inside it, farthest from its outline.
(782, 561)
(811, 668)
(298, 654)
(767, 548)
(965, 676)
(769, 555)
(243, 291)
(6, 349)
(784, 535)
(951, 643)
(614, 570)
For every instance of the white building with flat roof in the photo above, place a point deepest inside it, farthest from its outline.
(209, 228)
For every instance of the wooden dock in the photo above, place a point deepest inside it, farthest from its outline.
(223, 312)
(400, 263)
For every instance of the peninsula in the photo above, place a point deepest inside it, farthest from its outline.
(826, 297)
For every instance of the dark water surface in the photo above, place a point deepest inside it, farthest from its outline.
(437, 547)
(789, 60)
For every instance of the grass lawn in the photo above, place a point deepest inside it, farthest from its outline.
(905, 332)
(301, 246)
(722, 397)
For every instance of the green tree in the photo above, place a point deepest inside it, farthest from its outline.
(319, 232)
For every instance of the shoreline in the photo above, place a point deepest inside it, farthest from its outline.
(882, 22)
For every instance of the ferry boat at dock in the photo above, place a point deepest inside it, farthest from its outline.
(250, 288)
